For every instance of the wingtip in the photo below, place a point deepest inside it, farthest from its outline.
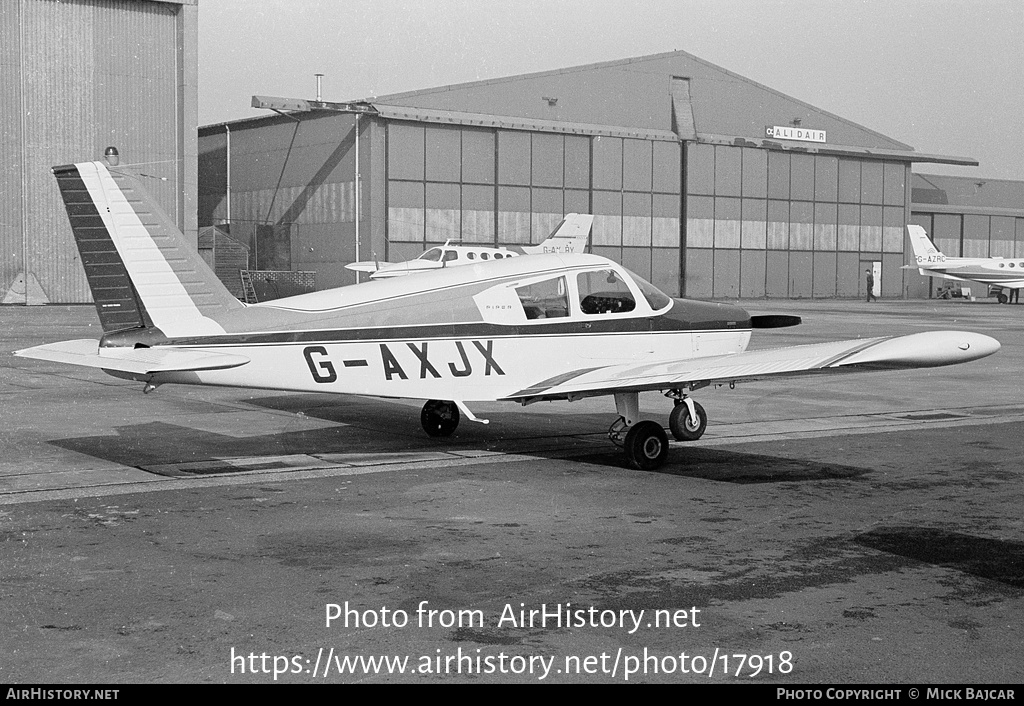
(928, 349)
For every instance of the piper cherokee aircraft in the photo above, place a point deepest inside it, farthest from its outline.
(993, 271)
(525, 329)
(569, 236)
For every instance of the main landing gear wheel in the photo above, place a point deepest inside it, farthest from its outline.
(646, 445)
(439, 418)
(1002, 298)
(684, 427)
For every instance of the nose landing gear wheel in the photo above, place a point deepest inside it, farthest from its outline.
(684, 427)
(439, 418)
(646, 445)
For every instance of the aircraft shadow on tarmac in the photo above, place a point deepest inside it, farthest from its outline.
(370, 427)
(155, 444)
(993, 559)
(740, 468)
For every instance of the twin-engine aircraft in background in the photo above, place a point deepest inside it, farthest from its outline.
(1004, 273)
(569, 236)
(522, 329)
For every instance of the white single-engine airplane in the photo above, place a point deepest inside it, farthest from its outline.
(570, 236)
(993, 271)
(525, 329)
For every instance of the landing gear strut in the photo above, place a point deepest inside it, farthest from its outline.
(439, 417)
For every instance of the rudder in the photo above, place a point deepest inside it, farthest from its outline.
(922, 245)
(142, 273)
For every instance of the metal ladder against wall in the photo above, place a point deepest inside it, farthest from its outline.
(248, 290)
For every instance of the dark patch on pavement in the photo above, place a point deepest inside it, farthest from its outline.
(485, 636)
(819, 562)
(993, 559)
(930, 416)
(335, 549)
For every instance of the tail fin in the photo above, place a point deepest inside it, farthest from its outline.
(570, 236)
(142, 273)
(925, 251)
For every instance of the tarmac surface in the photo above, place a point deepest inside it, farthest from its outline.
(839, 529)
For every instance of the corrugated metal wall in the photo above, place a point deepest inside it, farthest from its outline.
(94, 73)
(762, 223)
(512, 187)
(11, 248)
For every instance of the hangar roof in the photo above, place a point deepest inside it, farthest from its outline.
(668, 96)
(953, 194)
(637, 94)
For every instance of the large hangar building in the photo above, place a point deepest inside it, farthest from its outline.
(75, 77)
(707, 183)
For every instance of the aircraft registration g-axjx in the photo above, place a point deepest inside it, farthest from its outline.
(993, 271)
(569, 236)
(524, 329)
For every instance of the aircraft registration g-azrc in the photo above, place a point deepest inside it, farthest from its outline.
(1001, 273)
(569, 236)
(523, 329)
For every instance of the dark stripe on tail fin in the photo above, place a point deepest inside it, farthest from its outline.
(117, 303)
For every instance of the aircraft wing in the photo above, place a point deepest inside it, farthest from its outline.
(140, 361)
(975, 276)
(919, 350)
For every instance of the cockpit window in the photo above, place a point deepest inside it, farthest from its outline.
(604, 292)
(434, 255)
(544, 300)
(451, 255)
(654, 296)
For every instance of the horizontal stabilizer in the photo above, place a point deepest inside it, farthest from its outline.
(365, 266)
(140, 361)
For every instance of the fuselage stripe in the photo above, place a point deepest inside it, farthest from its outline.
(365, 336)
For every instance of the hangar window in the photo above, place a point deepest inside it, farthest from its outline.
(604, 292)
(544, 300)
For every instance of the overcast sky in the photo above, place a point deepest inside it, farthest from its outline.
(944, 76)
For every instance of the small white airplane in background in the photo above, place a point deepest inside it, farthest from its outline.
(570, 236)
(523, 329)
(1000, 272)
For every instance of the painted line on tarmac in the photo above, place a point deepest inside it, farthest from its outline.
(851, 425)
(244, 477)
